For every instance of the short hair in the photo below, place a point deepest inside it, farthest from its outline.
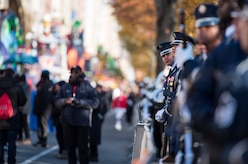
(45, 74)
(9, 72)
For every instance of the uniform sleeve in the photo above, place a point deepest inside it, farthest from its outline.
(201, 97)
(188, 68)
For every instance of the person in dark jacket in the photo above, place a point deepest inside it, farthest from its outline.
(56, 113)
(43, 107)
(97, 120)
(77, 99)
(130, 107)
(9, 128)
(25, 111)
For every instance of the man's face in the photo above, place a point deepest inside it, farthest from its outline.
(99, 89)
(207, 34)
(168, 59)
(75, 75)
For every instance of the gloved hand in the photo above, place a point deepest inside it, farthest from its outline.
(76, 102)
(183, 54)
(160, 116)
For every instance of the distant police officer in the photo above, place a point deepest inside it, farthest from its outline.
(169, 91)
(165, 51)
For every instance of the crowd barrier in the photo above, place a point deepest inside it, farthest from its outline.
(143, 147)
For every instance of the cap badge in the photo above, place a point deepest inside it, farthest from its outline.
(202, 9)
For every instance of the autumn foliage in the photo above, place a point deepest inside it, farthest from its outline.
(139, 24)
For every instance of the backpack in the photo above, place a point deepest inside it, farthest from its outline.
(6, 107)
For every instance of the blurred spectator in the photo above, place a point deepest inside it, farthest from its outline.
(56, 114)
(97, 120)
(9, 128)
(119, 105)
(43, 107)
(77, 100)
(25, 111)
(130, 106)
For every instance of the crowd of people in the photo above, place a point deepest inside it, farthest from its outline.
(77, 109)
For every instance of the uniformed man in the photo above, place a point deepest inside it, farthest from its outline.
(169, 91)
(217, 105)
(179, 39)
(207, 28)
(208, 34)
(165, 51)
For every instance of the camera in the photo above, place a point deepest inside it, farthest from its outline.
(75, 101)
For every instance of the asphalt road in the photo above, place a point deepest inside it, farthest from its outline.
(116, 147)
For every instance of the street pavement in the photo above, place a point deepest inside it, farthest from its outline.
(116, 147)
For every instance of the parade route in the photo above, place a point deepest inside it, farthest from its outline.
(116, 146)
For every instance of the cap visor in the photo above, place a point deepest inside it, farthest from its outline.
(165, 52)
(208, 21)
(176, 42)
(205, 24)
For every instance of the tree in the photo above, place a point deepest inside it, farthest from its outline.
(147, 23)
(165, 23)
(137, 19)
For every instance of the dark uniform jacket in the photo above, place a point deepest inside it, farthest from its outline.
(169, 91)
(18, 99)
(81, 114)
(215, 77)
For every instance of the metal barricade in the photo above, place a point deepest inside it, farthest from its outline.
(143, 148)
(138, 137)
